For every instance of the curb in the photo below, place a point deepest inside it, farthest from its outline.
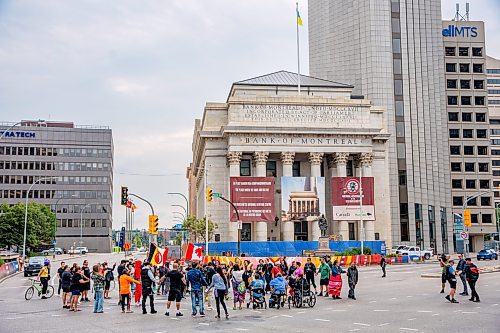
(483, 270)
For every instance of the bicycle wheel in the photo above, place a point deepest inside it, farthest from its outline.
(50, 292)
(29, 293)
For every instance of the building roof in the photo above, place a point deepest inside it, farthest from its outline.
(285, 78)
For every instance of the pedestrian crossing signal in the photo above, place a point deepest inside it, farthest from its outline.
(209, 194)
(153, 224)
(124, 198)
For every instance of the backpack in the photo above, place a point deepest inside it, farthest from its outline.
(449, 275)
(474, 273)
(109, 276)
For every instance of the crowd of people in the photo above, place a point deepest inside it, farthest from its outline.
(465, 270)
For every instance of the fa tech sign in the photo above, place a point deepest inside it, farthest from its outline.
(11, 134)
(454, 31)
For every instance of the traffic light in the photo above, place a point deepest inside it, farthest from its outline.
(209, 194)
(467, 218)
(124, 198)
(153, 224)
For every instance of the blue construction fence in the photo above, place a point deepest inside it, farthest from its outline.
(290, 249)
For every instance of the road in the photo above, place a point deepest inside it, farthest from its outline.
(402, 302)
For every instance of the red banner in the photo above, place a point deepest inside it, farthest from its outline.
(345, 199)
(254, 199)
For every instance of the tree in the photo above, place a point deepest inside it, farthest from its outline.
(137, 240)
(40, 227)
(196, 228)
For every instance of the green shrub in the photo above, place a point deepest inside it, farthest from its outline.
(354, 251)
(1, 262)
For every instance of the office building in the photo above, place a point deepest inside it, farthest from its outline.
(493, 86)
(392, 53)
(286, 160)
(77, 162)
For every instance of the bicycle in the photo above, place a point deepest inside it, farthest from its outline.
(36, 285)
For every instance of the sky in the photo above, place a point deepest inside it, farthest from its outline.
(146, 69)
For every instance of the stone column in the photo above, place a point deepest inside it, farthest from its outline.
(340, 160)
(366, 161)
(287, 159)
(315, 159)
(233, 159)
(260, 160)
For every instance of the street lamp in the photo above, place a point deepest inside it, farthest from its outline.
(26, 213)
(185, 198)
(18, 123)
(81, 223)
(181, 215)
(55, 223)
(185, 211)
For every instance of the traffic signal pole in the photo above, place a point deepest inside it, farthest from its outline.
(239, 221)
(152, 213)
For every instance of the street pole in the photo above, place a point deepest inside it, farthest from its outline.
(361, 222)
(237, 221)
(81, 223)
(55, 228)
(26, 214)
(180, 215)
(152, 213)
(206, 213)
(185, 198)
(184, 208)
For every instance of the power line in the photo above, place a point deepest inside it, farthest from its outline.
(149, 175)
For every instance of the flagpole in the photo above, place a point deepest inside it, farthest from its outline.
(206, 213)
(298, 48)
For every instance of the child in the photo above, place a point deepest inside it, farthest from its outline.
(125, 281)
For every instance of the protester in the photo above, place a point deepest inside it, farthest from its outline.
(147, 281)
(176, 282)
(238, 287)
(125, 281)
(299, 270)
(97, 277)
(451, 277)
(86, 285)
(43, 275)
(220, 286)
(383, 264)
(197, 282)
(121, 268)
(278, 289)
(335, 282)
(461, 273)
(324, 270)
(310, 271)
(60, 271)
(66, 287)
(352, 279)
(472, 275)
(443, 262)
(77, 281)
(283, 266)
(108, 276)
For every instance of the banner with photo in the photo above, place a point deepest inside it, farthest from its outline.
(302, 198)
(254, 199)
(345, 199)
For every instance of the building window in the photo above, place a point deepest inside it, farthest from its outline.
(246, 232)
(474, 218)
(495, 152)
(468, 150)
(467, 134)
(395, 6)
(483, 167)
(451, 84)
(482, 150)
(402, 177)
(496, 173)
(403, 210)
(487, 217)
(494, 102)
(484, 183)
(451, 68)
(271, 169)
(449, 51)
(493, 71)
(466, 100)
(490, 92)
(456, 183)
(464, 84)
(477, 68)
(352, 231)
(495, 142)
(418, 211)
(479, 100)
(397, 66)
(453, 116)
(400, 108)
(477, 51)
(454, 150)
(481, 134)
(245, 168)
(464, 68)
(405, 232)
(469, 167)
(493, 81)
(466, 116)
(458, 201)
(400, 150)
(481, 117)
(456, 167)
(470, 183)
(463, 51)
(452, 100)
(296, 169)
(400, 129)
(485, 201)
(398, 87)
(396, 45)
(478, 84)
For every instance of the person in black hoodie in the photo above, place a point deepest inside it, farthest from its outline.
(310, 271)
(66, 286)
(461, 271)
(352, 279)
(120, 270)
(147, 281)
(472, 275)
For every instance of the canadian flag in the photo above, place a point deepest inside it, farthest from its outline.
(194, 252)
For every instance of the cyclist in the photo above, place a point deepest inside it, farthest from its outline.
(44, 278)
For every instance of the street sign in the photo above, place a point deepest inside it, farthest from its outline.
(215, 194)
(54, 242)
(240, 225)
(464, 235)
(467, 218)
(126, 246)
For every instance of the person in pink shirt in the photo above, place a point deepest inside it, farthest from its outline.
(299, 270)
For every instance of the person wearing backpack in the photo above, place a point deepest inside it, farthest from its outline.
(383, 264)
(472, 275)
(452, 280)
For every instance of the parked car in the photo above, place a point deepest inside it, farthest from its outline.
(487, 254)
(51, 251)
(79, 250)
(34, 266)
(414, 251)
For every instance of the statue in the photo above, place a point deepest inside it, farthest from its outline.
(323, 225)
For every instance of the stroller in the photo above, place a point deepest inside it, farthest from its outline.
(257, 299)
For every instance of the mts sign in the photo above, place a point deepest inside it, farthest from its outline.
(454, 31)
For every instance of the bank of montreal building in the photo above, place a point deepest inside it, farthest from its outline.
(265, 128)
(80, 160)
